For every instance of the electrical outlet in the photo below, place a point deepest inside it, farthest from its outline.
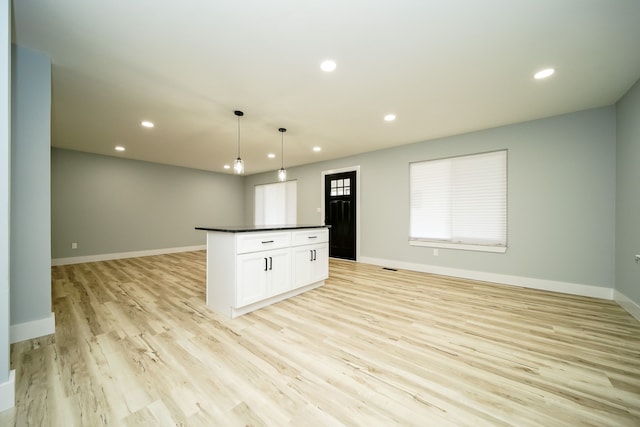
(74, 245)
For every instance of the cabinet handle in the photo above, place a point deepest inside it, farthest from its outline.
(312, 237)
(310, 255)
(265, 264)
(267, 241)
(270, 263)
(314, 255)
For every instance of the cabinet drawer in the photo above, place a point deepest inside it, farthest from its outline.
(309, 237)
(254, 242)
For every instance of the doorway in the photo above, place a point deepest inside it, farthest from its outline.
(340, 196)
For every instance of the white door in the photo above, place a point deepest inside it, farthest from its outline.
(302, 258)
(320, 264)
(279, 273)
(252, 278)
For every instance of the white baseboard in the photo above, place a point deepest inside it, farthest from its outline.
(33, 329)
(629, 305)
(8, 392)
(525, 282)
(122, 255)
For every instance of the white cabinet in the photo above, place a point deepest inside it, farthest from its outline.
(250, 270)
(261, 275)
(310, 253)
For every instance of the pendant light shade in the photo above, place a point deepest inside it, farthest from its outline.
(238, 166)
(282, 173)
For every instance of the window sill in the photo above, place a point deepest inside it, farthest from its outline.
(460, 246)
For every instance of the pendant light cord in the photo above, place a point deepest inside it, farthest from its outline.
(238, 136)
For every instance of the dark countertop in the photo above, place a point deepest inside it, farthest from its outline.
(250, 228)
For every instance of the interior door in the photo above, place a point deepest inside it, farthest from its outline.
(340, 213)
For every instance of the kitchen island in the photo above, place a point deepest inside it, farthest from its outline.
(250, 267)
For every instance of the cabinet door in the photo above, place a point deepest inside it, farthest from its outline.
(320, 264)
(310, 264)
(279, 273)
(251, 283)
(302, 259)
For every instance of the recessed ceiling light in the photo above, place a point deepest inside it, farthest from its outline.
(543, 74)
(147, 124)
(316, 149)
(271, 156)
(227, 166)
(328, 66)
(389, 117)
(119, 148)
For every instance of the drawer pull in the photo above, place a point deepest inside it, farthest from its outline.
(312, 237)
(267, 241)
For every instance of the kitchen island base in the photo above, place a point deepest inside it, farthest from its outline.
(251, 268)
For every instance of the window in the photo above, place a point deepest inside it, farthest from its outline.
(460, 202)
(276, 204)
(341, 187)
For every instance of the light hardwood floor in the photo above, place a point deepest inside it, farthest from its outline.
(135, 345)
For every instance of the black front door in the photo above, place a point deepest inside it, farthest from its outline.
(340, 213)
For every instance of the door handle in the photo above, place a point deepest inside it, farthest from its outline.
(310, 255)
(270, 263)
(314, 255)
(265, 264)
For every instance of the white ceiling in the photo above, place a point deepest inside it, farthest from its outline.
(444, 67)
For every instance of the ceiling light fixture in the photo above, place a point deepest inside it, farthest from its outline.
(271, 156)
(328, 66)
(119, 148)
(389, 117)
(316, 149)
(227, 166)
(238, 166)
(282, 173)
(543, 74)
(147, 124)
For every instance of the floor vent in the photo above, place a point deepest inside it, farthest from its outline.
(390, 269)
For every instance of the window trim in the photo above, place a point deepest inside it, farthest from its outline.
(461, 246)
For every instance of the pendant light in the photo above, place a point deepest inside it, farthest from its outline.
(238, 166)
(282, 173)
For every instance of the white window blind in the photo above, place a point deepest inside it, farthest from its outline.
(276, 204)
(460, 202)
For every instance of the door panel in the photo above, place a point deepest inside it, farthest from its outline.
(279, 271)
(252, 278)
(340, 213)
(320, 263)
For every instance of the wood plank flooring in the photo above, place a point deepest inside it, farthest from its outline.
(135, 345)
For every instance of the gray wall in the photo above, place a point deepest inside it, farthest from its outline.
(561, 198)
(628, 195)
(30, 186)
(112, 205)
(5, 179)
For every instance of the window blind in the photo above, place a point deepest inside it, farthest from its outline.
(275, 204)
(460, 200)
